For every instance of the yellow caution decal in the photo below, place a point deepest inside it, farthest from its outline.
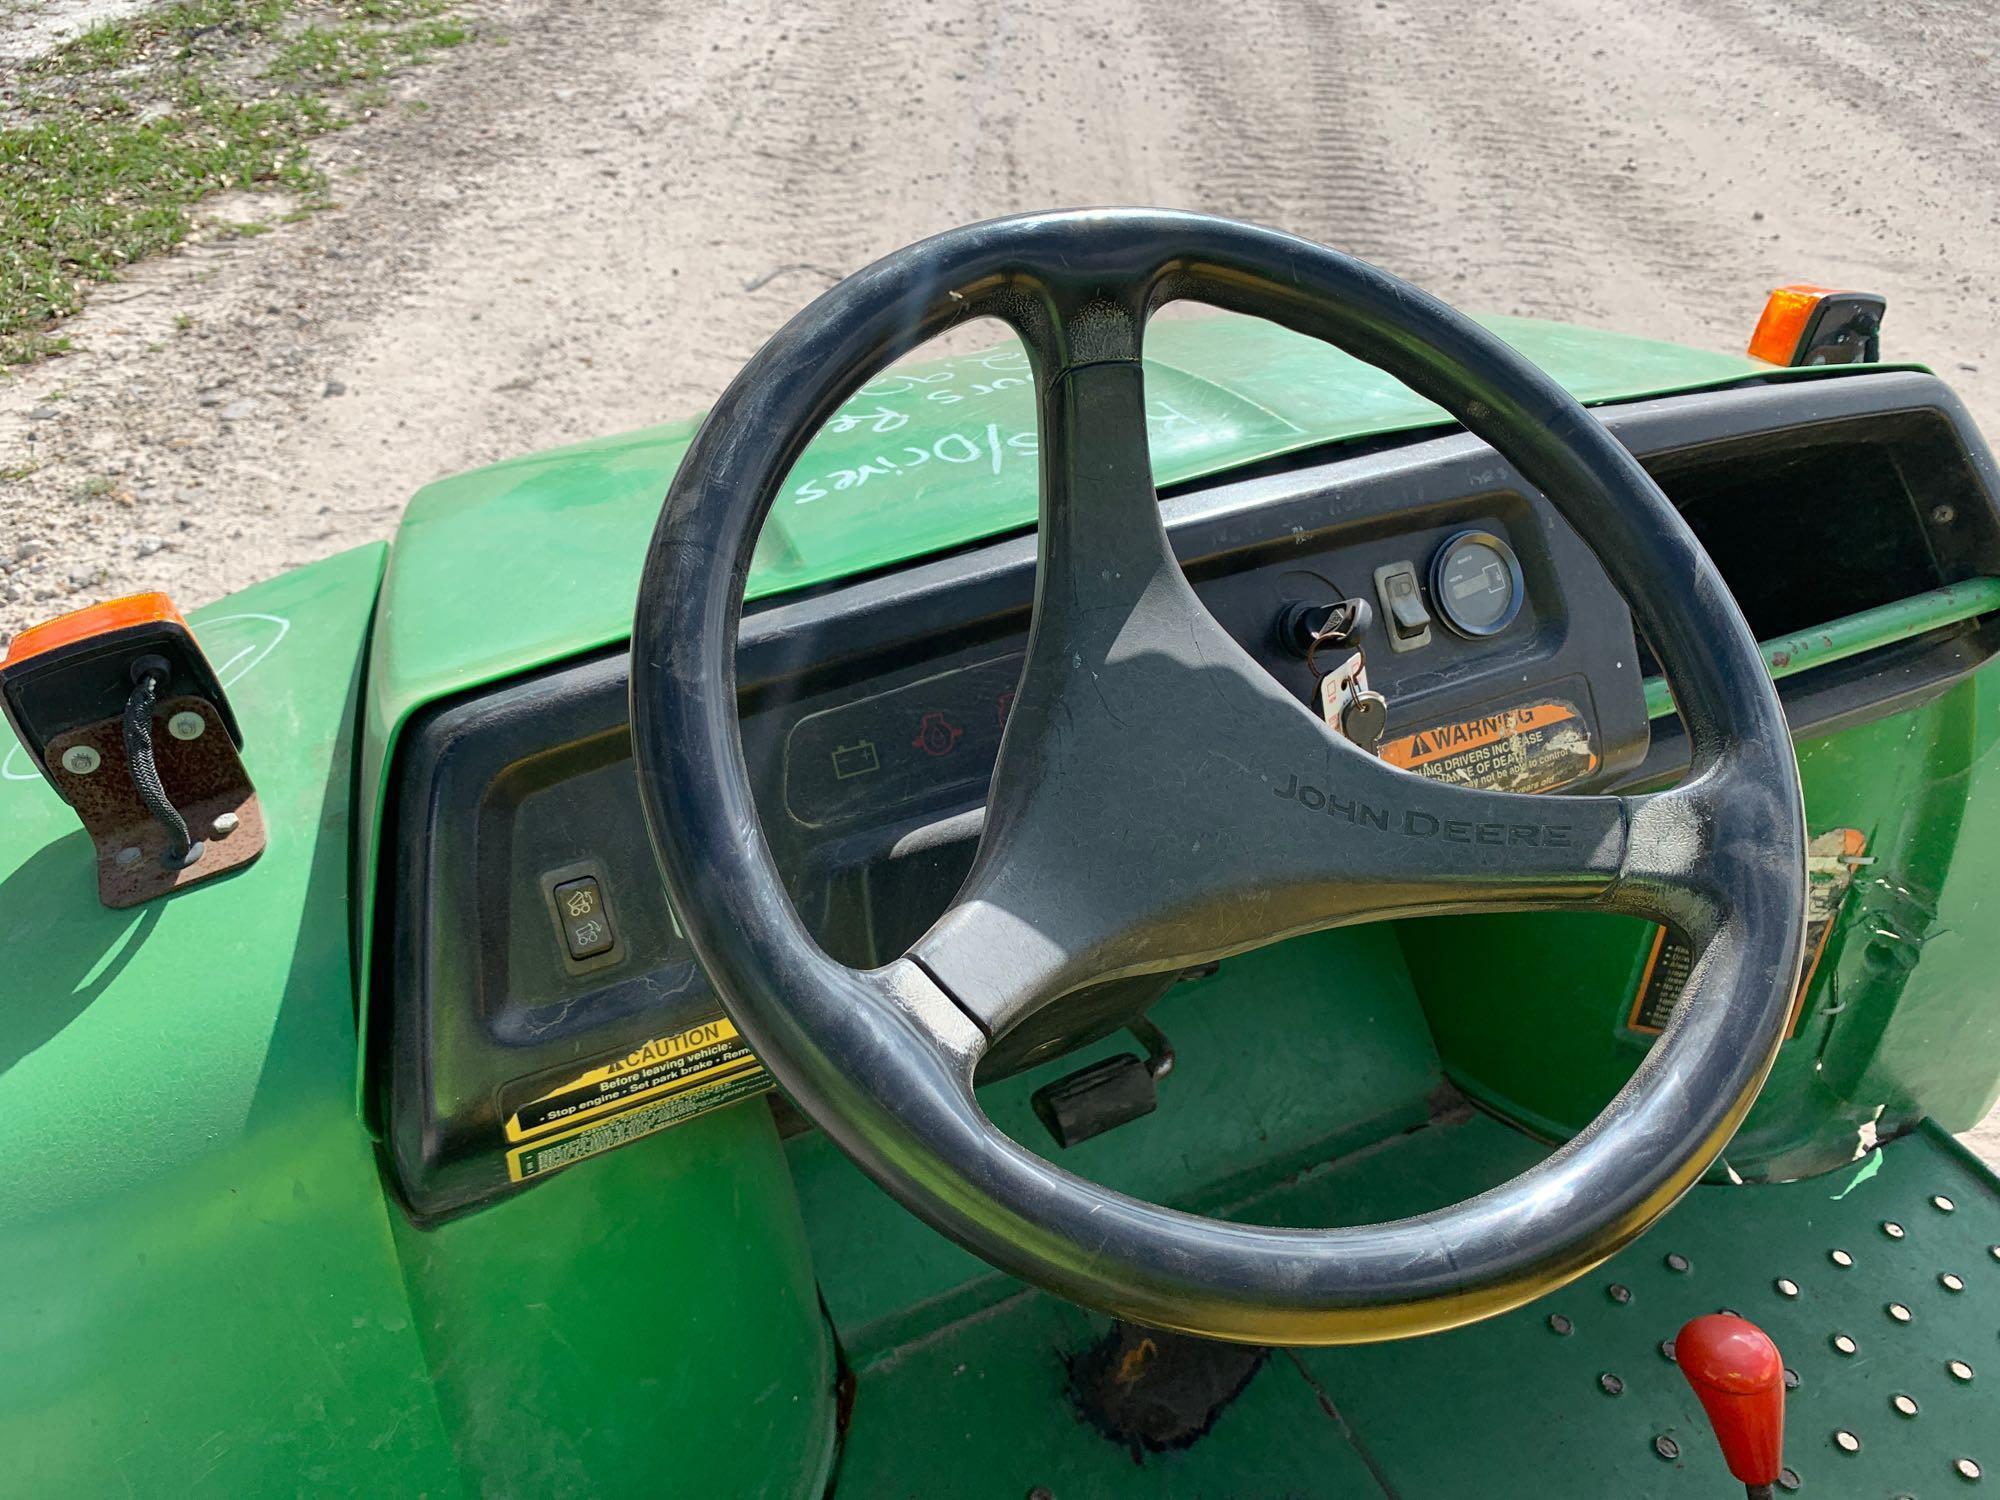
(667, 1080)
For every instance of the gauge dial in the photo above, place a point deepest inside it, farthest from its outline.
(1476, 583)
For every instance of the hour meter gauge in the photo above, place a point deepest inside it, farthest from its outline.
(1476, 583)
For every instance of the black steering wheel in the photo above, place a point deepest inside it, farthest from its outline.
(1107, 853)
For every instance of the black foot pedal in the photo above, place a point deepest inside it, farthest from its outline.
(1106, 1094)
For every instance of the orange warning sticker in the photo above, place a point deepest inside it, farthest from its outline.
(1531, 747)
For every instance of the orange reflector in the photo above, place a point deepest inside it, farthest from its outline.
(1787, 314)
(97, 619)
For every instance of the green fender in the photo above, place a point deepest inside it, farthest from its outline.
(204, 1287)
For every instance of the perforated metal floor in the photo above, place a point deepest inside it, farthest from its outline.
(1884, 1300)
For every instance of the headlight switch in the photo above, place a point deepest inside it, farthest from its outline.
(1403, 612)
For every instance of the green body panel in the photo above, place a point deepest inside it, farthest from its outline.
(1883, 1039)
(187, 1192)
(1263, 1087)
(204, 1288)
(646, 1329)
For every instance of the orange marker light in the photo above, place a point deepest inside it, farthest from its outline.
(1786, 313)
(100, 700)
(97, 619)
(76, 670)
(1818, 325)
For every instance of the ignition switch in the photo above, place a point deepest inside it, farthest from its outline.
(1350, 707)
(1304, 628)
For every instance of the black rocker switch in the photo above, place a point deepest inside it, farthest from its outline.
(586, 924)
(1403, 612)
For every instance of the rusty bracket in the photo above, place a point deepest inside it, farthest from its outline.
(204, 778)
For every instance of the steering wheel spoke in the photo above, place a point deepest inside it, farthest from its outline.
(1160, 800)
(1121, 839)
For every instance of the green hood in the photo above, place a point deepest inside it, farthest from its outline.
(926, 458)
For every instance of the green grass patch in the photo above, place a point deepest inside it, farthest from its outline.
(392, 12)
(83, 192)
(26, 348)
(122, 131)
(355, 50)
(182, 32)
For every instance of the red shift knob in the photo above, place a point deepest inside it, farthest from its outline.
(1736, 1371)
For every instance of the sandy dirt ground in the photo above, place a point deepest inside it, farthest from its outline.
(590, 227)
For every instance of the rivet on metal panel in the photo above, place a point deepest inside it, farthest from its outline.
(81, 760)
(1788, 1479)
(1610, 1384)
(1894, 1230)
(1786, 1286)
(1942, 1204)
(1666, 1447)
(1960, 1370)
(1791, 1378)
(1618, 1292)
(1842, 1344)
(1950, 1282)
(187, 725)
(1897, 1311)
(1906, 1406)
(1561, 1325)
(1966, 1469)
(1675, 1261)
(1846, 1441)
(129, 855)
(1840, 1258)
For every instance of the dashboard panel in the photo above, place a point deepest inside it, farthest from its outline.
(545, 1003)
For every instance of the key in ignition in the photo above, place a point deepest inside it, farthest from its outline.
(1350, 707)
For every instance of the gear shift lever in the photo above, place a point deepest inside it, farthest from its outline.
(1736, 1371)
